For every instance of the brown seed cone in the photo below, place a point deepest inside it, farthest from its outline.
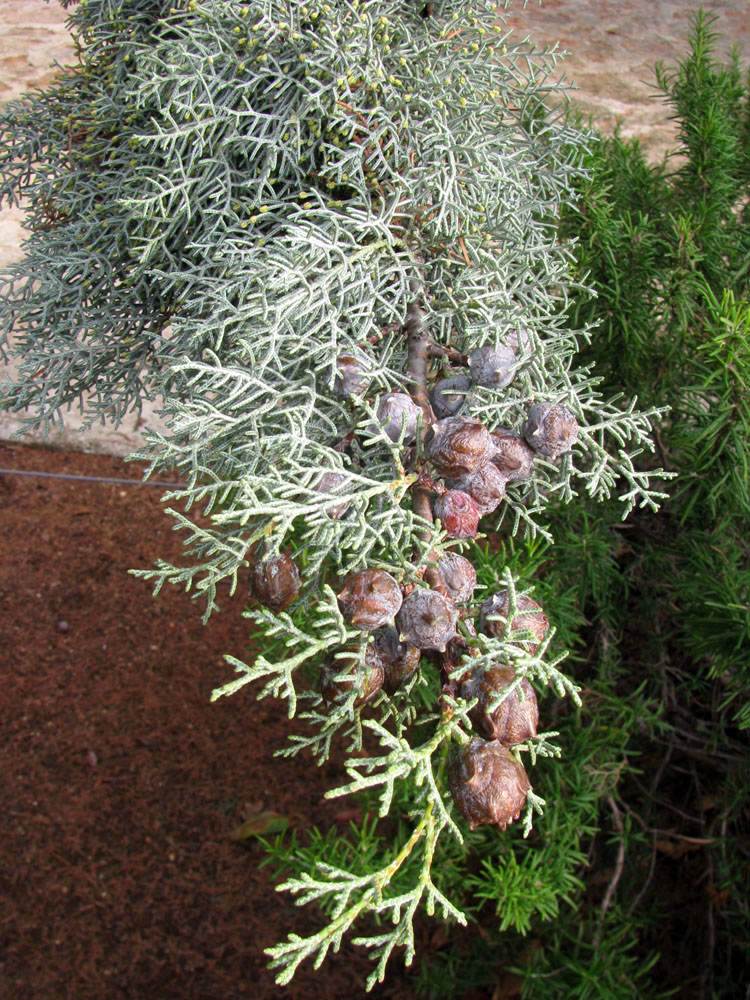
(275, 582)
(489, 366)
(400, 661)
(518, 340)
(457, 445)
(350, 378)
(485, 485)
(447, 396)
(531, 618)
(550, 430)
(458, 513)
(328, 483)
(458, 576)
(369, 598)
(511, 454)
(333, 689)
(427, 619)
(487, 783)
(513, 720)
(391, 410)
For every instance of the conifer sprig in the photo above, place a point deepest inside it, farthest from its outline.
(350, 896)
(231, 202)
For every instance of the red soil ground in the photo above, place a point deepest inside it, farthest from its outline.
(120, 783)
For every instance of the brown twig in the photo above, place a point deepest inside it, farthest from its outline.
(429, 483)
(647, 883)
(418, 357)
(657, 831)
(617, 875)
(384, 331)
(357, 114)
(451, 353)
(417, 362)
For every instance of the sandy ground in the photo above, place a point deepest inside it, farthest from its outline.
(33, 37)
(612, 46)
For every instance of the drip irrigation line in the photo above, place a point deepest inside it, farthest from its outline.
(90, 479)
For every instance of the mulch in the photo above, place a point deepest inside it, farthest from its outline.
(120, 782)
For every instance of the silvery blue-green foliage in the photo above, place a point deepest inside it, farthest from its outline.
(226, 198)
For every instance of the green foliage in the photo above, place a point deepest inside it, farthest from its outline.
(653, 241)
(711, 441)
(668, 253)
(656, 610)
(579, 966)
(667, 248)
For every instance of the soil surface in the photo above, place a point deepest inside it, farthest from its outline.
(120, 783)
